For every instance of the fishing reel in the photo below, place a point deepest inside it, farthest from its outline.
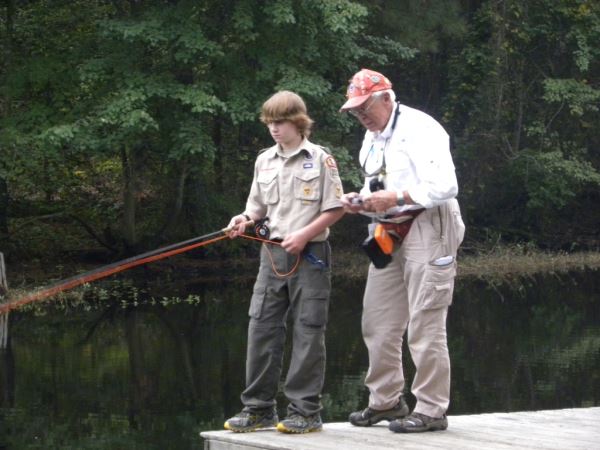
(261, 229)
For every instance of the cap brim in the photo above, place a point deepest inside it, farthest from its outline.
(354, 102)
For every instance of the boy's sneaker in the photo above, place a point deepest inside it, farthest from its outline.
(297, 423)
(369, 416)
(252, 420)
(417, 423)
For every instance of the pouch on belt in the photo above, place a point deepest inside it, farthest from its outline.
(378, 246)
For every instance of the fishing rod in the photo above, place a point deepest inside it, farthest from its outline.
(155, 255)
(116, 267)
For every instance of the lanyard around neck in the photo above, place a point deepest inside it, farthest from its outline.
(381, 169)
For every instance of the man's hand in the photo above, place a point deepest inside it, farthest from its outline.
(352, 202)
(380, 201)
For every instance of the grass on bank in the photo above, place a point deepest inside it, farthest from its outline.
(512, 261)
(498, 263)
(495, 266)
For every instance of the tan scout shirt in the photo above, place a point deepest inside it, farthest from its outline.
(293, 189)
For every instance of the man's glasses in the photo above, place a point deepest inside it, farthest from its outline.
(361, 112)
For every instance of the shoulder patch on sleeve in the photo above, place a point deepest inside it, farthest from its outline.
(330, 162)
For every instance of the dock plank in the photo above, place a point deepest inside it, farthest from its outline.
(577, 429)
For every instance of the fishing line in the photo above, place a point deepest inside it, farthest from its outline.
(275, 271)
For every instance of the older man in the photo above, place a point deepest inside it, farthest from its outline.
(409, 192)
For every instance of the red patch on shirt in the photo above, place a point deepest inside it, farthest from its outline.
(330, 162)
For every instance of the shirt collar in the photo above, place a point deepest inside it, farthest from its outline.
(389, 127)
(305, 146)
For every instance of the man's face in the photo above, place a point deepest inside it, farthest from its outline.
(374, 113)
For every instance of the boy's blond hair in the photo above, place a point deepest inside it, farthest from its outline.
(287, 105)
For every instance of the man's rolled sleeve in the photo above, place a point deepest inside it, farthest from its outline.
(434, 169)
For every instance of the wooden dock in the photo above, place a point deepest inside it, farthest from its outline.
(562, 429)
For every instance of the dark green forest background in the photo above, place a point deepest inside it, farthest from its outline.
(125, 125)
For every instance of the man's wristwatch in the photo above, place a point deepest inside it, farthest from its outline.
(401, 201)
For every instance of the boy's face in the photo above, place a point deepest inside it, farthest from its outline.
(284, 132)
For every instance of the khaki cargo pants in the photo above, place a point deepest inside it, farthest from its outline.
(412, 295)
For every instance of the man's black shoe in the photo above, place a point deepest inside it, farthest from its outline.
(368, 416)
(417, 423)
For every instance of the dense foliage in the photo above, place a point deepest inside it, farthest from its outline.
(129, 123)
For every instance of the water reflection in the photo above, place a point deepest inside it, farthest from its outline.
(153, 375)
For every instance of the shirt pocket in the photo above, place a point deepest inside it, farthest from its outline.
(307, 185)
(438, 286)
(269, 190)
(398, 159)
(399, 169)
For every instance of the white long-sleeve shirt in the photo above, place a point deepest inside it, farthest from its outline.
(417, 159)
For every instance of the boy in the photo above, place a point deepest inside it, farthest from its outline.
(297, 190)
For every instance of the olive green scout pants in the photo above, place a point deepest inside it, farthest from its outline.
(304, 298)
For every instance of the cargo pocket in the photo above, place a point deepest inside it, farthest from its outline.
(460, 227)
(438, 286)
(455, 228)
(256, 303)
(307, 185)
(315, 308)
(268, 188)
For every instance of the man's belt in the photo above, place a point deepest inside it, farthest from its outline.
(401, 229)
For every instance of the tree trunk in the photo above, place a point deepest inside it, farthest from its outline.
(218, 163)
(10, 14)
(3, 209)
(501, 64)
(520, 94)
(129, 193)
(175, 210)
(3, 317)
(5, 110)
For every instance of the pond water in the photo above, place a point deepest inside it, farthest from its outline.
(122, 371)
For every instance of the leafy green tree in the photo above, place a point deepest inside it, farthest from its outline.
(137, 120)
(523, 95)
(141, 117)
(38, 92)
(427, 33)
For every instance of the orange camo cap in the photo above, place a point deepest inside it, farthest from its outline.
(362, 85)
